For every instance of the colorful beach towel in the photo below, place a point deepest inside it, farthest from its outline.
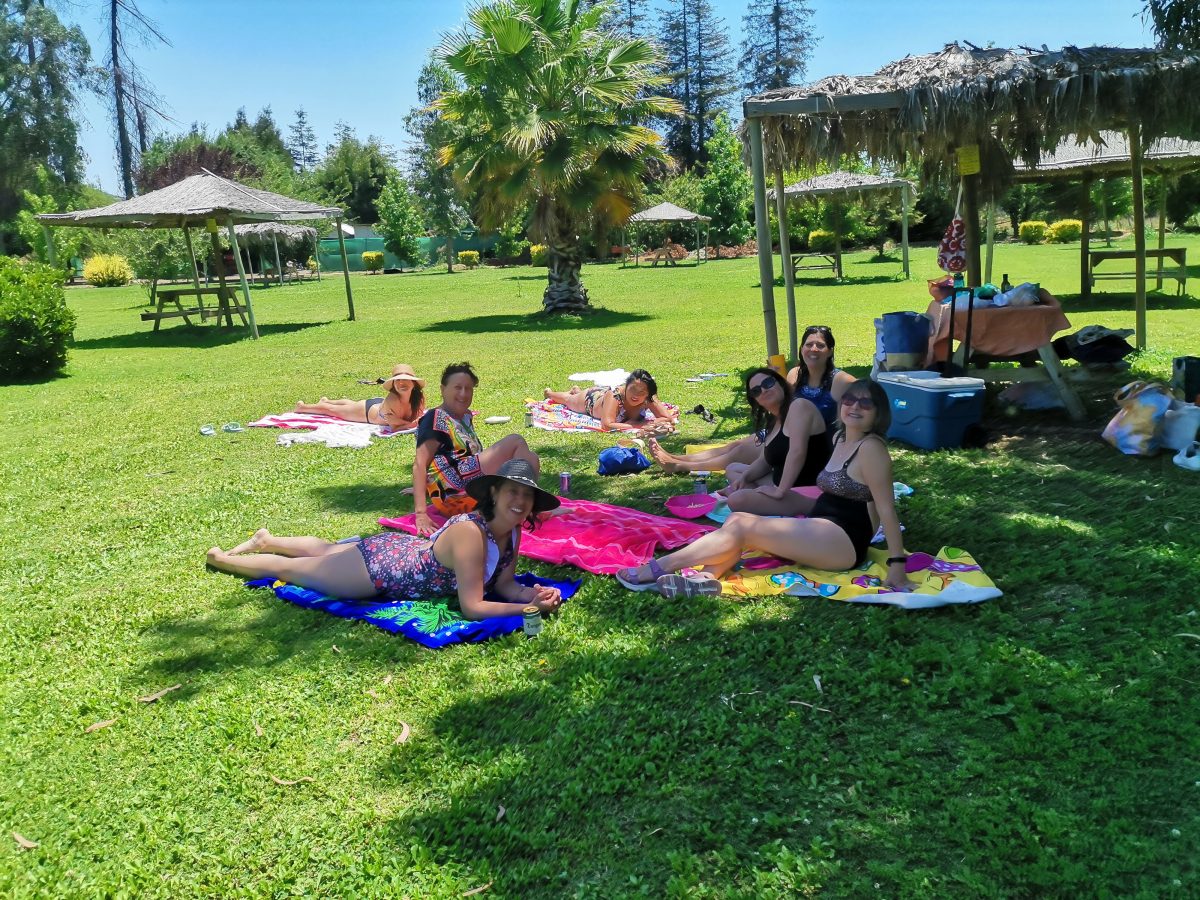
(315, 420)
(429, 623)
(951, 577)
(595, 537)
(556, 417)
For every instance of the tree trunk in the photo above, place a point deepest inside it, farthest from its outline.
(450, 254)
(564, 289)
(124, 146)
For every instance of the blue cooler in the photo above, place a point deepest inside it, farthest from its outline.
(929, 411)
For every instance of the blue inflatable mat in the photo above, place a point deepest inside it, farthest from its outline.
(428, 622)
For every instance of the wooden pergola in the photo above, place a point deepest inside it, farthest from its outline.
(971, 111)
(205, 201)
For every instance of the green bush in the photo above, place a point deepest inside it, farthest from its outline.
(820, 241)
(35, 324)
(1065, 231)
(539, 255)
(469, 258)
(372, 260)
(1033, 232)
(107, 270)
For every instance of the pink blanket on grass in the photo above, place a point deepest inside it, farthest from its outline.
(316, 420)
(595, 537)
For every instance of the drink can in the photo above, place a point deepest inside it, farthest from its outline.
(531, 621)
(564, 484)
(700, 482)
(528, 418)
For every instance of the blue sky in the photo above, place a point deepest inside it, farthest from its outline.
(358, 61)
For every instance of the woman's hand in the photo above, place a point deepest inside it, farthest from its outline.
(736, 483)
(774, 491)
(546, 599)
(424, 524)
(897, 579)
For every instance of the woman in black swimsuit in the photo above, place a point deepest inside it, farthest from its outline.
(794, 451)
(856, 494)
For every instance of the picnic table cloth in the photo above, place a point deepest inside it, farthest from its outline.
(997, 330)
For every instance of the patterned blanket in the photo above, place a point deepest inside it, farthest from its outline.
(429, 623)
(556, 417)
(951, 577)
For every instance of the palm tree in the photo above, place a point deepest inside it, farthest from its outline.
(547, 107)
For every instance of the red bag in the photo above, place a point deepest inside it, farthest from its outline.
(952, 251)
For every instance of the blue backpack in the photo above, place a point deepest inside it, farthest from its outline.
(622, 461)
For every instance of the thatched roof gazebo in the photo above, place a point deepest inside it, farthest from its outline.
(261, 235)
(204, 201)
(974, 111)
(667, 212)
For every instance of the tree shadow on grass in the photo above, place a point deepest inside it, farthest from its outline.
(195, 336)
(509, 322)
(369, 498)
(1124, 302)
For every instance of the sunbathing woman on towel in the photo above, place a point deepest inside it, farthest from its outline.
(449, 454)
(399, 408)
(629, 408)
(471, 554)
(856, 494)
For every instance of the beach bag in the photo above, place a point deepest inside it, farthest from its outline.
(952, 251)
(1180, 425)
(905, 341)
(1135, 429)
(622, 461)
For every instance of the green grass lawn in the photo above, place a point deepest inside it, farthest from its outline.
(1044, 744)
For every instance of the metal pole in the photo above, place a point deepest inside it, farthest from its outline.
(904, 199)
(187, 239)
(278, 265)
(237, 258)
(789, 275)
(1139, 235)
(345, 266)
(766, 272)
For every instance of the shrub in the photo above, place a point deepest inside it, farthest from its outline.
(107, 270)
(469, 258)
(372, 260)
(539, 255)
(1033, 232)
(311, 265)
(35, 325)
(1064, 231)
(820, 241)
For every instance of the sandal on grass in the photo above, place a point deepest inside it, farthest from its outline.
(700, 584)
(628, 577)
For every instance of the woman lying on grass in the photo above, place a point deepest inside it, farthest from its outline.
(634, 406)
(449, 453)
(472, 554)
(398, 409)
(856, 495)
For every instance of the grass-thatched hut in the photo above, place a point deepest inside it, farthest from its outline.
(973, 111)
(665, 213)
(258, 237)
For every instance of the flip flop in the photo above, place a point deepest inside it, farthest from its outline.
(701, 584)
(655, 569)
(232, 427)
(691, 506)
(208, 430)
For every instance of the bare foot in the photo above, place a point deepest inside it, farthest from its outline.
(663, 458)
(213, 556)
(254, 544)
(546, 392)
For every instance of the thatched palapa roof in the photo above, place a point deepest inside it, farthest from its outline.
(260, 234)
(668, 212)
(1012, 103)
(841, 183)
(1110, 157)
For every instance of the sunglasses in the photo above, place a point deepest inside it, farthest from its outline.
(861, 402)
(822, 328)
(765, 385)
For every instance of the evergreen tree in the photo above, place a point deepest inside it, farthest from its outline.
(776, 45)
(699, 62)
(400, 222)
(268, 136)
(303, 143)
(726, 189)
(353, 174)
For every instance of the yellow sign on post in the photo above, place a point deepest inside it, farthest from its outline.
(210, 225)
(968, 159)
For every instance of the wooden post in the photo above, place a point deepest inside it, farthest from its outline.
(278, 264)
(237, 258)
(1139, 235)
(991, 242)
(1162, 230)
(789, 274)
(219, 262)
(837, 238)
(262, 269)
(762, 230)
(51, 255)
(187, 239)
(905, 201)
(1085, 218)
(1104, 212)
(970, 216)
(345, 267)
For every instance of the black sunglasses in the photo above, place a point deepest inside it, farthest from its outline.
(863, 402)
(765, 385)
(824, 329)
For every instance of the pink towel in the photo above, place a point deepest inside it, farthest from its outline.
(316, 420)
(595, 537)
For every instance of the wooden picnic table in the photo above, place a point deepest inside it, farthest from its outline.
(830, 261)
(662, 254)
(226, 305)
(1178, 255)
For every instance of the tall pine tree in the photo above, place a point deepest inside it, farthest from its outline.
(777, 44)
(303, 143)
(699, 63)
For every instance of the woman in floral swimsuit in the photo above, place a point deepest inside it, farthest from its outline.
(633, 406)
(471, 555)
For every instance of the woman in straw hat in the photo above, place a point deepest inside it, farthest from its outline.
(398, 409)
(472, 555)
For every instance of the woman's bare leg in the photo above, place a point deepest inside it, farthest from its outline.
(339, 573)
(511, 446)
(744, 451)
(754, 501)
(572, 399)
(262, 541)
(349, 410)
(736, 468)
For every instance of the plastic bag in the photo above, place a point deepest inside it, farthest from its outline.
(1135, 429)
(621, 461)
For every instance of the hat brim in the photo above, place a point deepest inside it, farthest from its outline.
(388, 381)
(543, 501)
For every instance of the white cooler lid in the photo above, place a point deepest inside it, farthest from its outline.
(930, 381)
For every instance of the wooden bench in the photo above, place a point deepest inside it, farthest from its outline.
(226, 305)
(1177, 255)
(830, 262)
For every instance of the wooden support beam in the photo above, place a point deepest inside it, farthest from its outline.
(237, 258)
(1139, 235)
(766, 272)
(1085, 237)
(905, 202)
(345, 266)
(785, 257)
(187, 239)
(970, 214)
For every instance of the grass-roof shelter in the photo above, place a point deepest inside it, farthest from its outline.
(204, 201)
(665, 213)
(260, 236)
(1108, 157)
(973, 111)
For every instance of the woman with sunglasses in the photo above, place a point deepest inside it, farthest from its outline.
(815, 377)
(794, 451)
(856, 495)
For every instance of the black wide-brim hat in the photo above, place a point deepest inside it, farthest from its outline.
(519, 472)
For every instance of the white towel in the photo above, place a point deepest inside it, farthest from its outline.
(344, 434)
(611, 378)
